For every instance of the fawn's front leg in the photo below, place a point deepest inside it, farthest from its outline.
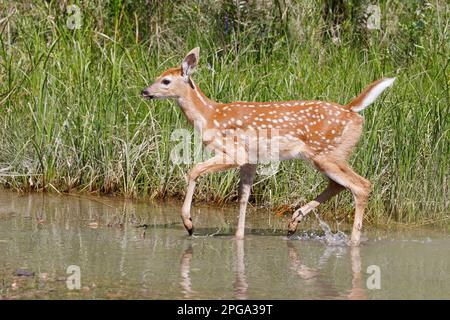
(214, 164)
(247, 175)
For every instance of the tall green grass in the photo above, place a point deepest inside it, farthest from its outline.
(71, 116)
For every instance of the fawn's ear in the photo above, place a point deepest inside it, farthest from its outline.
(190, 62)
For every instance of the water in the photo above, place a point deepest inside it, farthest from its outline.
(140, 250)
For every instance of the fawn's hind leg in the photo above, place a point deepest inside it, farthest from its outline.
(343, 176)
(360, 187)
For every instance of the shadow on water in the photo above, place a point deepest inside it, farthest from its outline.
(135, 249)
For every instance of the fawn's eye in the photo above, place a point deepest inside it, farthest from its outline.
(165, 82)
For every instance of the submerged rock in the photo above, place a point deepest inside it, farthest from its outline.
(24, 273)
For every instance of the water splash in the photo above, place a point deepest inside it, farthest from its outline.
(338, 238)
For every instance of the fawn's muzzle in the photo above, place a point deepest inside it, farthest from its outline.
(147, 94)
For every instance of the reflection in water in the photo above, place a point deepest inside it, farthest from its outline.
(314, 276)
(303, 271)
(185, 269)
(240, 283)
(357, 291)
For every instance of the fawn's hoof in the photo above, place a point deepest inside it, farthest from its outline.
(292, 228)
(188, 225)
(239, 236)
(353, 243)
(355, 238)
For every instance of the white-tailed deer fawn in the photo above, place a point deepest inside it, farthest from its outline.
(323, 133)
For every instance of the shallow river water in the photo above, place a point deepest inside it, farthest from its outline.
(112, 249)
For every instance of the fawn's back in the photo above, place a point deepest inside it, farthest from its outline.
(295, 128)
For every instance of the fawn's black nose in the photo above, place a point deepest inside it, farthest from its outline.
(147, 94)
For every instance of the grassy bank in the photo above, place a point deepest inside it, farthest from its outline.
(72, 119)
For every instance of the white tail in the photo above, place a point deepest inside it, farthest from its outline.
(368, 96)
(324, 133)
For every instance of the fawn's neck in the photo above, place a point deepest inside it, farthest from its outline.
(196, 106)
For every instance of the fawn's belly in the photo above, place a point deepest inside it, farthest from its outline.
(248, 150)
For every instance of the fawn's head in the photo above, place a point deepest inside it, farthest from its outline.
(174, 82)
